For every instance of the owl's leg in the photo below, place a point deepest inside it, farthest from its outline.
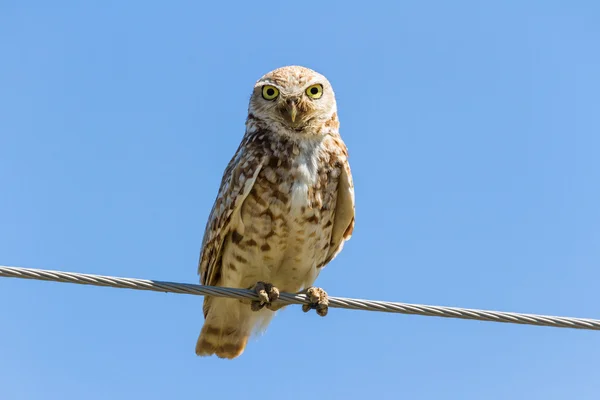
(267, 293)
(318, 300)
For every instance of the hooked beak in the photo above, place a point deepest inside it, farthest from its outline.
(292, 109)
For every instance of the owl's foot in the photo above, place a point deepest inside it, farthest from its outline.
(318, 301)
(267, 294)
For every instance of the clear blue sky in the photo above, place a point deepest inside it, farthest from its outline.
(474, 136)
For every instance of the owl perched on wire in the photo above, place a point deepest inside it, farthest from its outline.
(284, 210)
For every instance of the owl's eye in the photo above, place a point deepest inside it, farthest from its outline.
(314, 91)
(269, 92)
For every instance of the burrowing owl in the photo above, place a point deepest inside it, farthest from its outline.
(284, 209)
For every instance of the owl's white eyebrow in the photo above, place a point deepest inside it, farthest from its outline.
(262, 84)
(313, 83)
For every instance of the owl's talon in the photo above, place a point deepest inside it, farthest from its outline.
(319, 301)
(256, 305)
(263, 297)
(273, 294)
(267, 294)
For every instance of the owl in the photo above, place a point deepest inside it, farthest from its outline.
(284, 209)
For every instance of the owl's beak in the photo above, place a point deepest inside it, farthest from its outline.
(292, 109)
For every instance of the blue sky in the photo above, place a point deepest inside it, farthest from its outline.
(474, 133)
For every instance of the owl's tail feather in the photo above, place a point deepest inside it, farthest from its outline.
(227, 327)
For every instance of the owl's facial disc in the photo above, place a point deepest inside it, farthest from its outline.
(293, 98)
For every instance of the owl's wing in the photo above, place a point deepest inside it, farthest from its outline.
(343, 220)
(238, 179)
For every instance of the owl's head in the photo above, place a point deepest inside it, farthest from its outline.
(294, 97)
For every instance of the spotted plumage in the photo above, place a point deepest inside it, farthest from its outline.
(284, 210)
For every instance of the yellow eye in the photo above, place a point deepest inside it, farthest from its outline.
(269, 92)
(314, 91)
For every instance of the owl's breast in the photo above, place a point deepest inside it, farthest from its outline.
(288, 219)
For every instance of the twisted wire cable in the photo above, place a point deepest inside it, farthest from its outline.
(289, 298)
